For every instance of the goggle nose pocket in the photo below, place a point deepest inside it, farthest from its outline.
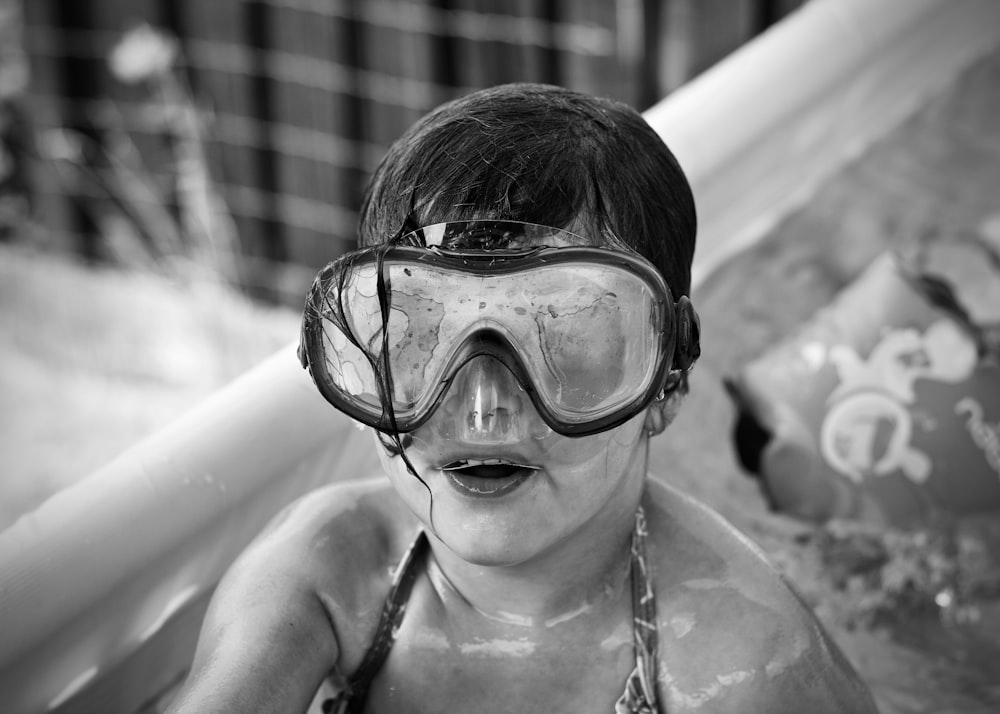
(484, 403)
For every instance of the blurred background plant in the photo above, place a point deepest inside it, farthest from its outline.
(162, 212)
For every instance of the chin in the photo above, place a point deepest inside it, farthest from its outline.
(488, 544)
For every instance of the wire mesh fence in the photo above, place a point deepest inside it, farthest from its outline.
(256, 132)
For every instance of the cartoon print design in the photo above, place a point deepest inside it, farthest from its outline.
(868, 427)
(984, 435)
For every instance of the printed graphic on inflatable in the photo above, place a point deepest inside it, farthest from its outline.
(868, 429)
(884, 408)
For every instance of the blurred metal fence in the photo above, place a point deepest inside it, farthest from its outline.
(13, 82)
(301, 97)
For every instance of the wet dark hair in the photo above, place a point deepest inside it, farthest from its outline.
(539, 154)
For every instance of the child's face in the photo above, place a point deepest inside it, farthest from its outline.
(437, 337)
(501, 485)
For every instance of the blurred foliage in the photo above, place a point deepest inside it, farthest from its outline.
(157, 211)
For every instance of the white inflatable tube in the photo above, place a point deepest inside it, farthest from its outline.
(92, 575)
(101, 588)
(760, 131)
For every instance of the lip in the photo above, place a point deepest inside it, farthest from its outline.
(489, 478)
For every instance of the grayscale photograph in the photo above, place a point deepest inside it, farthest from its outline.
(500, 357)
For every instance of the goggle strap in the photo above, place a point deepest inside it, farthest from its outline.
(687, 346)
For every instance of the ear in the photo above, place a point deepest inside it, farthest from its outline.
(661, 412)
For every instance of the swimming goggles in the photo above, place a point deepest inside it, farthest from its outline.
(588, 332)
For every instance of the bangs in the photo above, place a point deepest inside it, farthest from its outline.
(512, 180)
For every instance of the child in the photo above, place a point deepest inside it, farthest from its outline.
(514, 331)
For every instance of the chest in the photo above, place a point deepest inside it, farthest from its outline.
(440, 662)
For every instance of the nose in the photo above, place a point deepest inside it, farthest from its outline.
(485, 404)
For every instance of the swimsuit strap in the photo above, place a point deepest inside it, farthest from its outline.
(352, 699)
(640, 689)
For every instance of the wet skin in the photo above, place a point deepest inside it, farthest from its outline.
(525, 603)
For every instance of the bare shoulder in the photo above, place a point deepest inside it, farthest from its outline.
(341, 542)
(734, 636)
(289, 608)
(325, 560)
(336, 531)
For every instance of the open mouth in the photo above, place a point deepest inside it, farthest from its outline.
(487, 477)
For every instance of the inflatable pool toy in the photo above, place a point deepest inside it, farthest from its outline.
(884, 408)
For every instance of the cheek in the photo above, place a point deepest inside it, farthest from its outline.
(607, 456)
(407, 486)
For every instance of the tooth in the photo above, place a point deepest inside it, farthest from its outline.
(464, 463)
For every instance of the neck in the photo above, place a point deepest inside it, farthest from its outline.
(585, 573)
